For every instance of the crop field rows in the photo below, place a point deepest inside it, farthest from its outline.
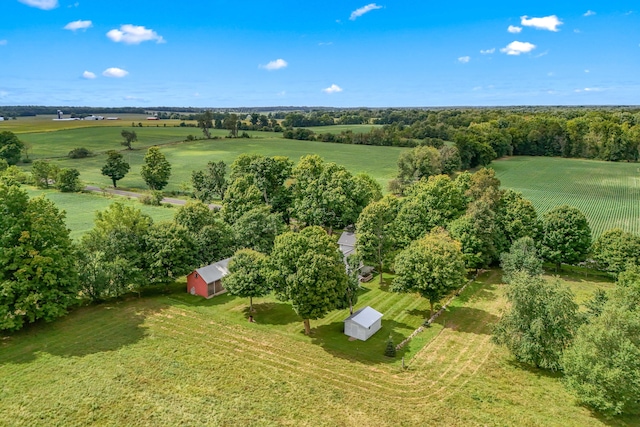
(173, 360)
(607, 193)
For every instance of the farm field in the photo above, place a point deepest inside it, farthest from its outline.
(379, 162)
(82, 207)
(607, 193)
(174, 359)
(45, 123)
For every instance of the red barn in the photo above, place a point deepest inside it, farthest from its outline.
(207, 281)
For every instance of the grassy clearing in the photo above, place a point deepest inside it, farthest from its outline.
(82, 207)
(176, 359)
(379, 162)
(608, 193)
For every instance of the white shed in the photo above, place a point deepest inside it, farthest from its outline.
(363, 323)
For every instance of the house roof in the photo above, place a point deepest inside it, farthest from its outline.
(215, 271)
(347, 238)
(365, 317)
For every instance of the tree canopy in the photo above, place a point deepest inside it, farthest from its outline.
(156, 170)
(566, 236)
(10, 147)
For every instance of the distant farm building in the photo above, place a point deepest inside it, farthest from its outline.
(207, 281)
(363, 323)
(92, 117)
(153, 118)
(1, 119)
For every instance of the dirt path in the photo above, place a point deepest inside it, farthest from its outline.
(117, 192)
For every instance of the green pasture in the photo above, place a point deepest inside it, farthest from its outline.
(608, 193)
(81, 208)
(176, 359)
(185, 157)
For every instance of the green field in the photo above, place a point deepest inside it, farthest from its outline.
(175, 359)
(608, 193)
(81, 208)
(379, 162)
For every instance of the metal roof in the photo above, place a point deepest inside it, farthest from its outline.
(365, 317)
(347, 238)
(215, 271)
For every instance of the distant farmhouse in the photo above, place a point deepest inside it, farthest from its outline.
(207, 281)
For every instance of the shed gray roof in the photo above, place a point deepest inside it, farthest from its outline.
(215, 271)
(365, 317)
(347, 238)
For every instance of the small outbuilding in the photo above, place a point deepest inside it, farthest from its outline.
(363, 323)
(347, 243)
(207, 281)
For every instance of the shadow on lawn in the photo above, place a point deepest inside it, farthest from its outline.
(273, 313)
(332, 339)
(468, 319)
(87, 330)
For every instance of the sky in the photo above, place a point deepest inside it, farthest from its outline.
(346, 53)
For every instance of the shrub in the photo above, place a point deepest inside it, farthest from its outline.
(390, 349)
(79, 153)
(68, 180)
(153, 199)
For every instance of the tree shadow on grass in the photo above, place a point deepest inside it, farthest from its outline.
(273, 313)
(468, 319)
(332, 339)
(87, 330)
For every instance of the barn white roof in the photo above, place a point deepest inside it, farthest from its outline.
(215, 271)
(365, 317)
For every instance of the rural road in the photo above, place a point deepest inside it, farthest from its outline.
(168, 200)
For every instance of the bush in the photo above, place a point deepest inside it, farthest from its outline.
(153, 199)
(79, 153)
(390, 350)
(68, 180)
(190, 138)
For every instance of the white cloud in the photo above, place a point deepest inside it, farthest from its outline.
(589, 13)
(488, 51)
(78, 25)
(364, 9)
(464, 59)
(134, 34)
(586, 71)
(514, 29)
(550, 23)
(3, 42)
(325, 43)
(274, 65)
(332, 89)
(41, 4)
(89, 75)
(589, 89)
(115, 72)
(516, 48)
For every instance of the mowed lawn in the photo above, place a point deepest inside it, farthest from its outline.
(176, 359)
(80, 208)
(607, 193)
(185, 157)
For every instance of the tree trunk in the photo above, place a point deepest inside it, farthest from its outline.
(250, 304)
(431, 308)
(307, 327)
(114, 182)
(380, 273)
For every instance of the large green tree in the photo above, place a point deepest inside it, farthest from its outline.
(522, 256)
(420, 162)
(615, 249)
(129, 137)
(156, 170)
(242, 196)
(210, 182)
(168, 252)
(205, 122)
(44, 173)
(566, 236)
(540, 323)
(68, 180)
(602, 366)
(257, 229)
(38, 278)
(429, 204)
(306, 269)
(432, 266)
(518, 217)
(375, 233)
(247, 275)
(116, 167)
(10, 147)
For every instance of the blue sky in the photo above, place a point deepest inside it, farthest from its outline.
(319, 53)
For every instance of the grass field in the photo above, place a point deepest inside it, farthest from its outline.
(174, 359)
(82, 207)
(379, 162)
(607, 193)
